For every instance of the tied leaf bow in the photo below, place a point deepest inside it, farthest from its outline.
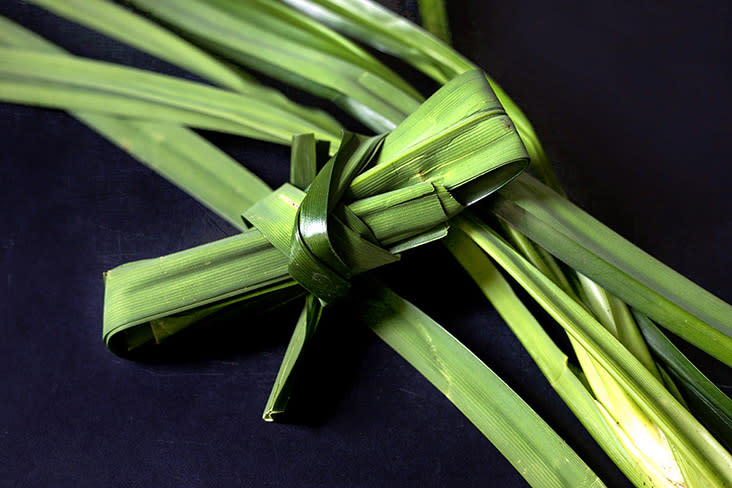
(329, 242)
(374, 198)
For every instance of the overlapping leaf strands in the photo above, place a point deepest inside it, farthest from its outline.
(354, 202)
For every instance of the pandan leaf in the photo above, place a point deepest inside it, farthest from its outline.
(379, 27)
(384, 30)
(178, 154)
(286, 45)
(433, 14)
(554, 364)
(250, 264)
(534, 449)
(77, 84)
(304, 330)
(683, 431)
(710, 405)
(126, 26)
(585, 244)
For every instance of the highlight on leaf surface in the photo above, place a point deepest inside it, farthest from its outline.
(534, 449)
(283, 44)
(645, 283)
(177, 153)
(695, 445)
(567, 381)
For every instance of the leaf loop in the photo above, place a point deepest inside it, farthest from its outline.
(328, 242)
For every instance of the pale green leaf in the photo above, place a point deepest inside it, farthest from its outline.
(433, 14)
(552, 362)
(179, 154)
(126, 26)
(710, 405)
(681, 428)
(534, 449)
(77, 84)
(382, 29)
(280, 42)
(643, 282)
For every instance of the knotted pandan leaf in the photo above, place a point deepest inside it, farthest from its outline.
(374, 198)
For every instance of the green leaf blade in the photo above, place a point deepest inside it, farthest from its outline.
(72, 83)
(285, 45)
(643, 282)
(535, 450)
(386, 31)
(178, 154)
(433, 14)
(305, 328)
(126, 26)
(552, 362)
(681, 428)
(708, 403)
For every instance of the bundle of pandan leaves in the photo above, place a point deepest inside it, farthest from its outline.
(463, 167)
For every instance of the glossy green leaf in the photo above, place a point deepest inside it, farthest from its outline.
(433, 14)
(126, 26)
(552, 362)
(384, 30)
(610, 310)
(178, 154)
(625, 270)
(284, 44)
(459, 138)
(289, 27)
(534, 449)
(76, 84)
(317, 262)
(710, 405)
(143, 291)
(437, 160)
(307, 156)
(616, 316)
(187, 267)
(304, 330)
(696, 445)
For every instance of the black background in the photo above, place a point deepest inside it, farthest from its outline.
(631, 101)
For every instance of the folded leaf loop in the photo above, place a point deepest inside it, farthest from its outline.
(376, 201)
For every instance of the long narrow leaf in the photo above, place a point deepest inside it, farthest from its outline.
(382, 29)
(554, 364)
(72, 83)
(135, 30)
(615, 315)
(611, 311)
(579, 240)
(408, 179)
(572, 471)
(709, 404)
(433, 14)
(682, 429)
(177, 153)
(377, 26)
(286, 45)
(535, 450)
(304, 330)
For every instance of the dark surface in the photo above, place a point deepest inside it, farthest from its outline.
(632, 103)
